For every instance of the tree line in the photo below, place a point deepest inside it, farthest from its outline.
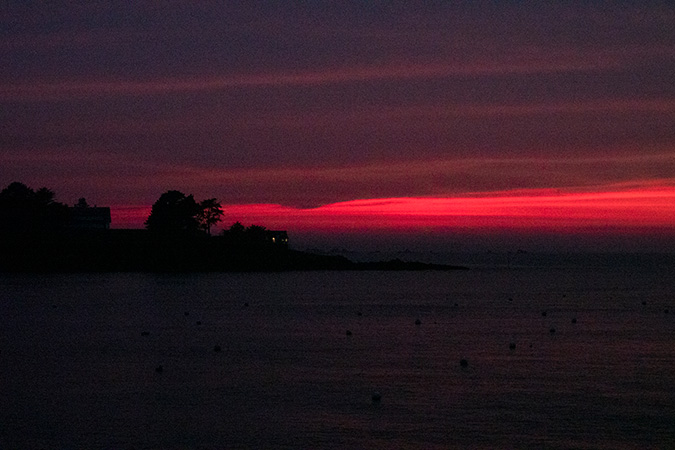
(25, 210)
(176, 213)
(31, 240)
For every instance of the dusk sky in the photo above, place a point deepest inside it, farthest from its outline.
(429, 118)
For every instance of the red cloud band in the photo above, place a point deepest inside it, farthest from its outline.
(647, 208)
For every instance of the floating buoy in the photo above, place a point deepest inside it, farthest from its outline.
(574, 320)
(376, 397)
(145, 333)
(349, 333)
(418, 322)
(512, 346)
(159, 369)
(463, 362)
(552, 330)
(216, 348)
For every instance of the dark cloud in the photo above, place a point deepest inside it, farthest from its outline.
(324, 102)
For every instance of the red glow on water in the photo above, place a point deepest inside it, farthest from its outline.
(628, 209)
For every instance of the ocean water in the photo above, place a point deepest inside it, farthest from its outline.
(79, 353)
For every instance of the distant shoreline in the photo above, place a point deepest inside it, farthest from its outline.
(105, 251)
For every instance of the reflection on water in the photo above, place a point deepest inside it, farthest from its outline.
(79, 356)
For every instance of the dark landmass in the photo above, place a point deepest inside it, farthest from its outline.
(142, 251)
(39, 234)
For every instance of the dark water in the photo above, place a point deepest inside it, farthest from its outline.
(77, 373)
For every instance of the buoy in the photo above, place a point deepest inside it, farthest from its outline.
(376, 397)
(463, 362)
(418, 322)
(512, 345)
(349, 333)
(159, 369)
(217, 348)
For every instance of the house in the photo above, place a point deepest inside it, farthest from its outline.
(279, 238)
(84, 217)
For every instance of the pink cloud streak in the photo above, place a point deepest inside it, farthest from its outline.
(58, 90)
(637, 209)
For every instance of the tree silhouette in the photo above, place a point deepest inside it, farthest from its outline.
(16, 195)
(256, 233)
(44, 197)
(174, 213)
(210, 214)
(24, 210)
(237, 229)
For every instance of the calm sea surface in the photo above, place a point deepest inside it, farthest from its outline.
(79, 357)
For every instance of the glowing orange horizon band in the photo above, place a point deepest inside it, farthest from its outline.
(628, 209)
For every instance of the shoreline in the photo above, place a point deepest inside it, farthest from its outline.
(105, 252)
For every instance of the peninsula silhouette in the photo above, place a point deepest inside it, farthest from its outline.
(40, 234)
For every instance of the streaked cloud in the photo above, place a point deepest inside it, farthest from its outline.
(107, 177)
(468, 110)
(315, 106)
(623, 209)
(638, 209)
(86, 88)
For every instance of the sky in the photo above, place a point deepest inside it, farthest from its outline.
(505, 124)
